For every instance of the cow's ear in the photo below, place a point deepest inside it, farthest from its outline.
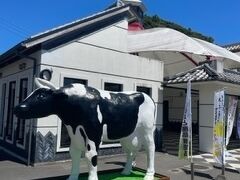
(59, 94)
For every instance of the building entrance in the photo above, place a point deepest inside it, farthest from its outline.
(14, 132)
(173, 109)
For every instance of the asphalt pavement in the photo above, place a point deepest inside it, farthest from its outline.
(165, 164)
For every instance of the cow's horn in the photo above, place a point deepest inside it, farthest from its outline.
(41, 83)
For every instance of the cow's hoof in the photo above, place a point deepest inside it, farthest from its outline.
(72, 177)
(149, 177)
(126, 172)
(134, 164)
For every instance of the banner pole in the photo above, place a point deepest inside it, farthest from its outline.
(223, 143)
(192, 164)
(192, 171)
(191, 139)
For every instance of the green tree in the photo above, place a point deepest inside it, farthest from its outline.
(155, 21)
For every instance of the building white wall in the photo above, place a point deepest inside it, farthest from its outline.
(98, 60)
(206, 106)
(206, 111)
(113, 37)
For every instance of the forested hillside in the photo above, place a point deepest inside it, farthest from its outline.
(155, 21)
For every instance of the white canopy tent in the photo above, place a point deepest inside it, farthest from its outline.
(174, 47)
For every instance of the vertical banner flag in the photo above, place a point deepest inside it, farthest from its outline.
(219, 128)
(186, 130)
(238, 126)
(232, 106)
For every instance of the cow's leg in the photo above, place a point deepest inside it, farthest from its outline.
(129, 164)
(130, 146)
(75, 155)
(91, 155)
(150, 149)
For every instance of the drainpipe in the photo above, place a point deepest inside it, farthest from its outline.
(31, 121)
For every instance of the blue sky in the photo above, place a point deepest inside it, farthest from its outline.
(21, 19)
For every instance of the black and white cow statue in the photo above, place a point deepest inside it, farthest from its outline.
(93, 116)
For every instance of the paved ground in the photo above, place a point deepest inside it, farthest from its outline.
(171, 140)
(165, 164)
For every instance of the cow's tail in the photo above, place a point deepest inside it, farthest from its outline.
(155, 114)
(150, 100)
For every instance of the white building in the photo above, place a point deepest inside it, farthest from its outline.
(91, 51)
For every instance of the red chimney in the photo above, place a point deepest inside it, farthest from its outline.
(135, 26)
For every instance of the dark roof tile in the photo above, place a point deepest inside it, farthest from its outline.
(233, 47)
(204, 73)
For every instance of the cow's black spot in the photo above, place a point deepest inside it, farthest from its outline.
(88, 147)
(120, 113)
(94, 160)
(82, 110)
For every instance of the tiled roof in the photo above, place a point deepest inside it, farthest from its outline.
(233, 47)
(231, 76)
(204, 73)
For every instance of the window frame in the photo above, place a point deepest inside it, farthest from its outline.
(7, 111)
(121, 86)
(150, 89)
(150, 86)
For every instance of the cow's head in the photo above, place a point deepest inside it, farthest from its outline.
(39, 103)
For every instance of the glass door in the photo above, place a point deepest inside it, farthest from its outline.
(11, 103)
(20, 131)
(2, 109)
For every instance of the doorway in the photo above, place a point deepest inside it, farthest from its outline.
(14, 132)
(173, 109)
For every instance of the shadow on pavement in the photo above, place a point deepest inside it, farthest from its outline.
(227, 169)
(199, 174)
(54, 178)
(116, 163)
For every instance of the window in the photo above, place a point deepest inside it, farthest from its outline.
(21, 122)
(74, 80)
(3, 96)
(65, 139)
(145, 90)
(113, 87)
(11, 100)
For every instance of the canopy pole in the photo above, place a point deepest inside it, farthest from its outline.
(189, 58)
